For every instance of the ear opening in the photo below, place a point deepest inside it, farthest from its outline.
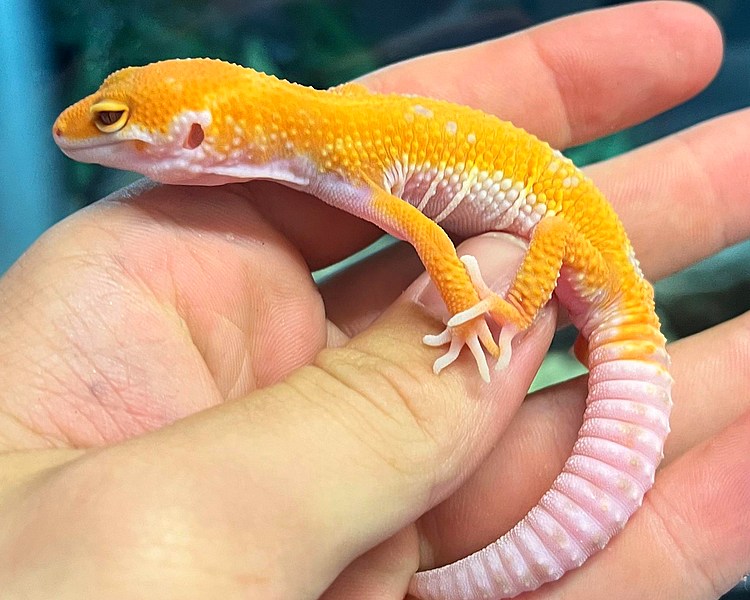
(194, 137)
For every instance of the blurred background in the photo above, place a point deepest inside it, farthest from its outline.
(53, 52)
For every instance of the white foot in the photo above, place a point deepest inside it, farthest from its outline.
(471, 336)
(479, 334)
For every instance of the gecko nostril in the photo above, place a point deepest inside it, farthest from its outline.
(57, 131)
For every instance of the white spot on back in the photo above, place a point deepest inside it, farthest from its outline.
(421, 110)
(451, 127)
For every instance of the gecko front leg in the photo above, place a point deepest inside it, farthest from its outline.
(449, 274)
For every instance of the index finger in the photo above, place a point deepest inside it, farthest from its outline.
(576, 78)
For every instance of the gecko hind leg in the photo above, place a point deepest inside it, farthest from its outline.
(438, 254)
(553, 242)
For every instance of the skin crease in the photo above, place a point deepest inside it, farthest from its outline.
(161, 302)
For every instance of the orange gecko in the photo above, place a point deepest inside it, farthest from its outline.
(417, 167)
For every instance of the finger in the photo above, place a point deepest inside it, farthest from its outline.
(256, 495)
(683, 198)
(386, 463)
(711, 383)
(691, 538)
(531, 453)
(576, 78)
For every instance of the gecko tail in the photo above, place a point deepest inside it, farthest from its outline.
(602, 484)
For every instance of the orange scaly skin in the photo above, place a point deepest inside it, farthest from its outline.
(413, 166)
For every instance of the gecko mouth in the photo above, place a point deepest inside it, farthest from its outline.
(68, 144)
(110, 152)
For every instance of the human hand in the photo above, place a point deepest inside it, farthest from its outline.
(162, 302)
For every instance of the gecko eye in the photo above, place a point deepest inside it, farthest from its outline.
(109, 116)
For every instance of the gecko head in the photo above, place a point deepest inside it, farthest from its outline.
(152, 119)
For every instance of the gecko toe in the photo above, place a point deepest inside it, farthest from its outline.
(479, 309)
(449, 357)
(437, 340)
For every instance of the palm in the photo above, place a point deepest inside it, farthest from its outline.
(184, 299)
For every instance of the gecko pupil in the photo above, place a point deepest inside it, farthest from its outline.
(109, 117)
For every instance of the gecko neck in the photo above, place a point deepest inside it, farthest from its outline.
(267, 128)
